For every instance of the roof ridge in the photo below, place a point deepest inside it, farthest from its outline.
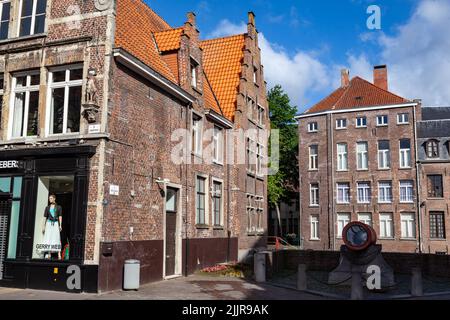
(346, 88)
(225, 37)
(373, 85)
(154, 12)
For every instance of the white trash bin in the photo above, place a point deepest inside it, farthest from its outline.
(131, 274)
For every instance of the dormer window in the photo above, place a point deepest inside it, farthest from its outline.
(432, 148)
(194, 73)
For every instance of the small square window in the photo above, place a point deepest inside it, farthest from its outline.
(361, 122)
(382, 120)
(403, 118)
(341, 123)
(313, 127)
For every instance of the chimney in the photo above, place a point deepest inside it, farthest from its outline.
(380, 77)
(345, 78)
(191, 18)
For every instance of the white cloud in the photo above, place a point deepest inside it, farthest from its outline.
(227, 28)
(299, 74)
(418, 55)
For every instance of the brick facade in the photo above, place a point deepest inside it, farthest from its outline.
(136, 109)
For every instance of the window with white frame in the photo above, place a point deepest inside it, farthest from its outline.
(200, 201)
(251, 155)
(406, 191)
(65, 100)
(343, 192)
(385, 192)
(196, 135)
(342, 220)
(361, 122)
(386, 225)
(194, 73)
(408, 225)
(432, 148)
(314, 226)
(32, 17)
(365, 218)
(25, 105)
(314, 157)
(313, 127)
(261, 115)
(362, 155)
(364, 192)
(405, 153)
(255, 75)
(342, 156)
(341, 123)
(384, 154)
(5, 12)
(259, 213)
(403, 118)
(259, 158)
(251, 225)
(314, 194)
(382, 120)
(2, 87)
(217, 203)
(218, 142)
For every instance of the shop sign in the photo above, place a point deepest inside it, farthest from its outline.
(9, 164)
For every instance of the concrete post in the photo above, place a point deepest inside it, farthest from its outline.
(416, 282)
(259, 267)
(301, 277)
(357, 287)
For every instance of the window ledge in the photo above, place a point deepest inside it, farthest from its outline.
(361, 127)
(405, 168)
(436, 198)
(218, 228)
(408, 239)
(382, 125)
(341, 128)
(314, 206)
(202, 226)
(438, 239)
(23, 38)
(389, 239)
(314, 239)
(313, 170)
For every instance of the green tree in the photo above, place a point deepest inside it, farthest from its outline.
(284, 184)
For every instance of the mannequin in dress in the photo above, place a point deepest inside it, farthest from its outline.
(52, 227)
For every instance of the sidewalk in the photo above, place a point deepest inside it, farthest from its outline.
(184, 288)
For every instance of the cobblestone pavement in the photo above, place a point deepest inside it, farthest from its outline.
(184, 288)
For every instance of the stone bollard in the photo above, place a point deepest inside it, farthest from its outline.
(259, 267)
(301, 277)
(416, 282)
(357, 286)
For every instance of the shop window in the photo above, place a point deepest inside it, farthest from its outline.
(32, 17)
(52, 223)
(13, 186)
(5, 11)
(25, 104)
(65, 101)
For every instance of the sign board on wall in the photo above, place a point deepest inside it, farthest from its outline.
(113, 190)
(9, 164)
(94, 128)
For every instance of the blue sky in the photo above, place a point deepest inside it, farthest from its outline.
(305, 43)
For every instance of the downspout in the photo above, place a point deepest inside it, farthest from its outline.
(331, 227)
(417, 165)
(300, 211)
(186, 202)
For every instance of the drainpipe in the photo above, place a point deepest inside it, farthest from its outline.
(331, 227)
(417, 165)
(228, 200)
(186, 202)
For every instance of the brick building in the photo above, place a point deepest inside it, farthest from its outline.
(125, 119)
(433, 136)
(358, 162)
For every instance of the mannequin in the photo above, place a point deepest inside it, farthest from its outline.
(52, 227)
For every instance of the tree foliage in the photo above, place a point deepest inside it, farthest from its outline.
(284, 184)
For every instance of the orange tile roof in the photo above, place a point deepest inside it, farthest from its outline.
(210, 99)
(135, 25)
(222, 61)
(168, 40)
(359, 93)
